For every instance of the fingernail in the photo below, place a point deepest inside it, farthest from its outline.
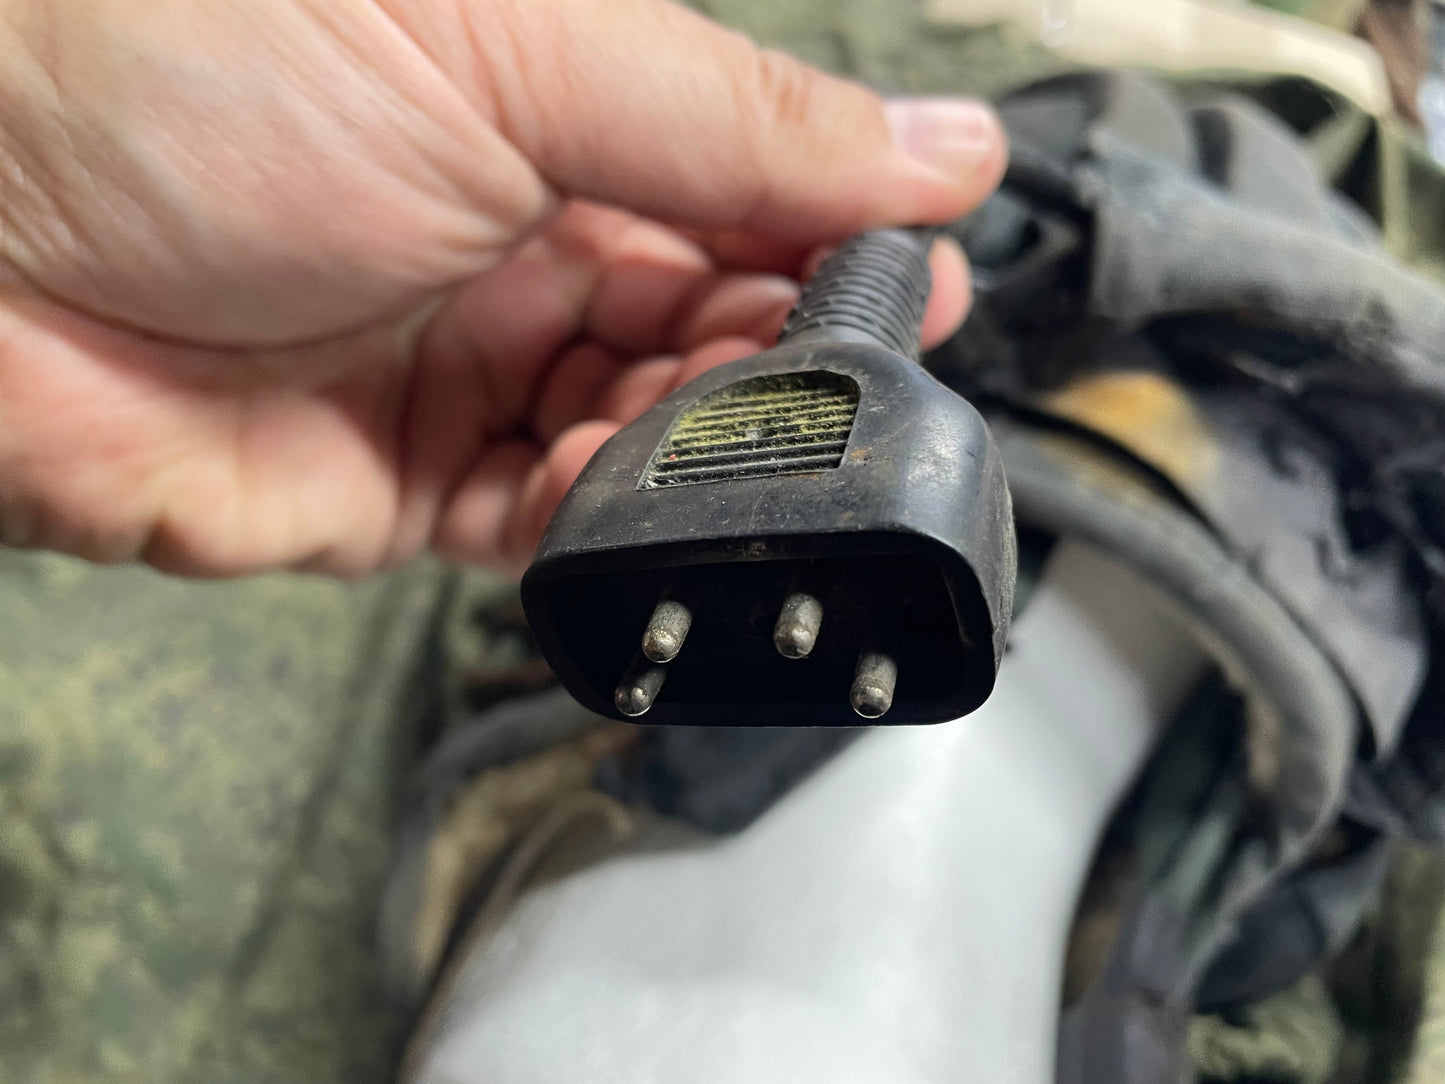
(954, 135)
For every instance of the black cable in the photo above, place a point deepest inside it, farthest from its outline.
(1250, 630)
(1294, 690)
(873, 289)
(1045, 180)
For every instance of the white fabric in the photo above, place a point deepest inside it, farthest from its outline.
(899, 917)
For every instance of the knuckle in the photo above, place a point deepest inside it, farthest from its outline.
(788, 88)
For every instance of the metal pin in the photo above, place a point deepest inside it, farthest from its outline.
(639, 687)
(873, 684)
(666, 631)
(797, 629)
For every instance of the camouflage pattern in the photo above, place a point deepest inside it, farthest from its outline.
(197, 780)
(891, 44)
(1293, 1037)
(1426, 1058)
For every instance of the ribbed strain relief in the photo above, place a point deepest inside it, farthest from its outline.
(873, 289)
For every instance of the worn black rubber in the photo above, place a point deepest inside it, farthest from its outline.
(873, 290)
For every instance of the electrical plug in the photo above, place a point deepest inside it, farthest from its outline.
(820, 534)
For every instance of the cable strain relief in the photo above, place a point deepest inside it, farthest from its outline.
(873, 289)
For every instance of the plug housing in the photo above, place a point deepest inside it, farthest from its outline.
(820, 534)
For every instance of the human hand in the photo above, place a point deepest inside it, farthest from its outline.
(322, 283)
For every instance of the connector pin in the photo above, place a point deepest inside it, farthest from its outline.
(666, 631)
(639, 687)
(798, 623)
(873, 684)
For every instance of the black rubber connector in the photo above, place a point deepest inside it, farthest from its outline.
(820, 534)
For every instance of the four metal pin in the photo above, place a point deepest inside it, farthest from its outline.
(872, 693)
(797, 629)
(640, 686)
(794, 636)
(666, 631)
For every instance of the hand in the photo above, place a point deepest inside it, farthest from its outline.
(321, 283)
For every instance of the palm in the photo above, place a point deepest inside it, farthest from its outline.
(118, 447)
(369, 446)
(223, 223)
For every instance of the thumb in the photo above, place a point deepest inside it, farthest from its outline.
(648, 106)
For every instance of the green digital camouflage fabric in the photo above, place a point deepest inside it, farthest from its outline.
(891, 44)
(197, 780)
(1373, 1017)
(1340, 14)
(1426, 1059)
(1389, 987)
(1291, 1038)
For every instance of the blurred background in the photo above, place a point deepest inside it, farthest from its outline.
(201, 784)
